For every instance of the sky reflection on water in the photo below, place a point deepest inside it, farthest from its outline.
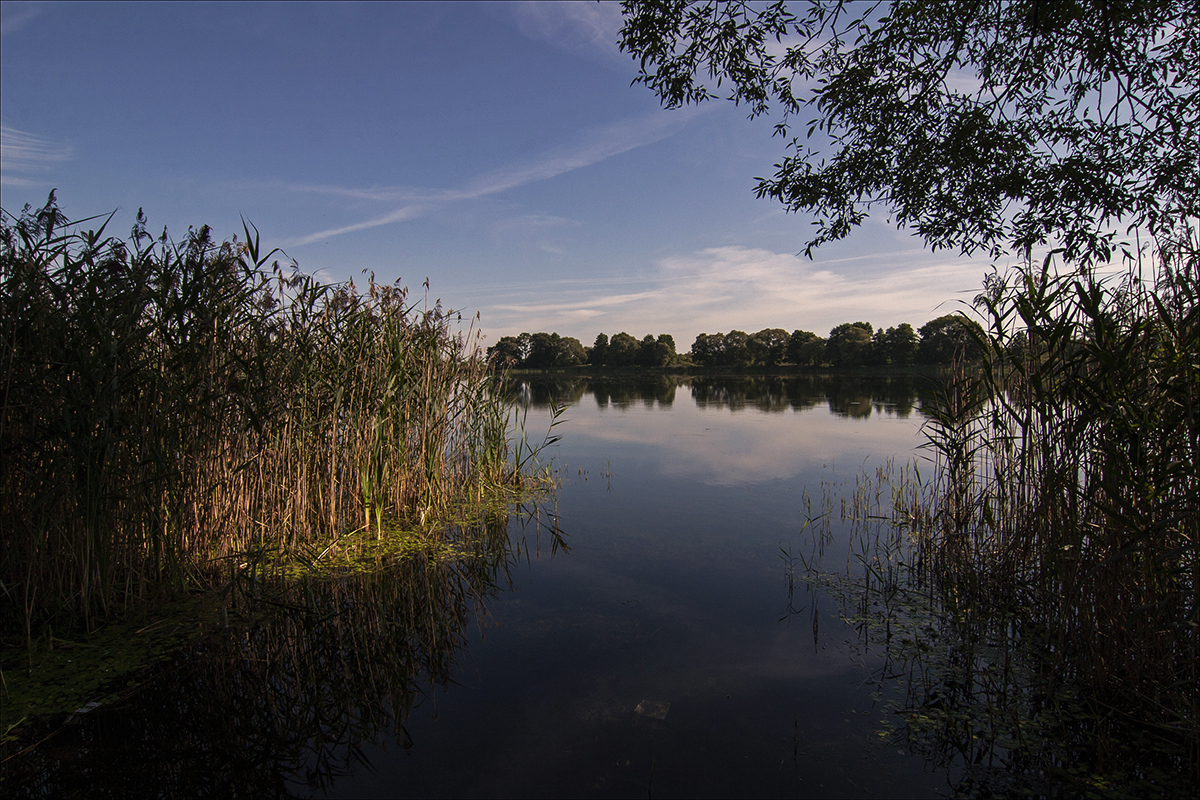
(702, 436)
(660, 652)
(671, 597)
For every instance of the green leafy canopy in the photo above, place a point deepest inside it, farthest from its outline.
(983, 125)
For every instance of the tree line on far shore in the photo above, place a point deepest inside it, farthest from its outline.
(851, 344)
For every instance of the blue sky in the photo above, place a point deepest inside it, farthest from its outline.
(498, 150)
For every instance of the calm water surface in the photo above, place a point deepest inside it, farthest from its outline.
(658, 656)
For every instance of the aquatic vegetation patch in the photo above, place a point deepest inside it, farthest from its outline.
(167, 406)
(975, 682)
(306, 670)
(189, 429)
(77, 674)
(364, 637)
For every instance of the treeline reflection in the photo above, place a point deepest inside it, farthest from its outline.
(843, 395)
(287, 701)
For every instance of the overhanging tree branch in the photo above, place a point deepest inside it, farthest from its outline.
(984, 126)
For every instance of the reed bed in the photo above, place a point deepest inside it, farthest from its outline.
(1037, 589)
(1068, 488)
(169, 407)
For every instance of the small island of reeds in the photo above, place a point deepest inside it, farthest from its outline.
(176, 414)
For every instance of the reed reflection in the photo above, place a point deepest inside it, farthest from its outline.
(309, 671)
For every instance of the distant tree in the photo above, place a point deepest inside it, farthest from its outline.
(657, 352)
(646, 351)
(543, 349)
(571, 352)
(768, 347)
(623, 350)
(948, 337)
(537, 351)
(805, 349)
(508, 352)
(901, 345)
(737, 349)
(849, 344)
(598, 355)
(879, 348)
(665, 348)
(897, 345)
(708, 349)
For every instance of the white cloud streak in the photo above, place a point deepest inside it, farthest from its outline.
(14, 16)
(529, 223)
(593, 147)
(589, 30)
(399, 215)
(24, 152)
(725, 288)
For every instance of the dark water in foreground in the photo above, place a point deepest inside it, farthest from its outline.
(658, 653)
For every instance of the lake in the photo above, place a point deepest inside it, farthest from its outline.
(637, 634)
(676, 501)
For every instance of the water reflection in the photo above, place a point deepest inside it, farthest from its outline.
(285, 699)
(650, 391)
(653, 659)
(844, 395)
(623, 391)
(737, 430)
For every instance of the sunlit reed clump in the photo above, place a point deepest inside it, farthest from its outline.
(166, 406)
(1067, 495)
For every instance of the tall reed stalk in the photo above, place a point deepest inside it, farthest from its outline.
(167, 405)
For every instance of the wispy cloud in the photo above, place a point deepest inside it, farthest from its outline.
(399, 215)
(593, 146)
(609, 301)
(14, 16)
(587, 29)
(725, 288)
(23, 152)
(387, 194)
